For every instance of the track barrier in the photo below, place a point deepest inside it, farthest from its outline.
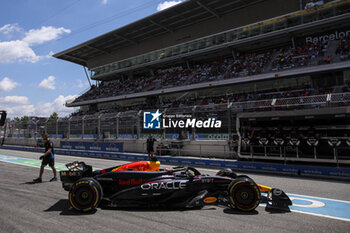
(302, 170)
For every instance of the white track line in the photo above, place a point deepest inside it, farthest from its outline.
(318, 215)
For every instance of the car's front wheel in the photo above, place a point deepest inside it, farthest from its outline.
(244, 194)
(85, 194)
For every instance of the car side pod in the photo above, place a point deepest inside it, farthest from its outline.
(278, 200)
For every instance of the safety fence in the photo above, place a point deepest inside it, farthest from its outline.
(130, 125)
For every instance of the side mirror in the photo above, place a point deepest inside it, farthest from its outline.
(3, 117)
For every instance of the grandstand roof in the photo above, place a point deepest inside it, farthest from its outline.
(182, 15)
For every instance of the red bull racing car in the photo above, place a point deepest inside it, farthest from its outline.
(144, 184)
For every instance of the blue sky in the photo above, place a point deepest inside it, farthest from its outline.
(32, 82)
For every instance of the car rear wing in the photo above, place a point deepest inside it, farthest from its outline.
(76, 171)
(81, 167)
(3, 115)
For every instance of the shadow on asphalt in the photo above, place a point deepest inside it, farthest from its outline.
(63, 206)
(277, 211)
(238, 212)
(105, 206)
(32, 182)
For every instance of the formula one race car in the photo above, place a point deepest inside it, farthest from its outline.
(144, 184)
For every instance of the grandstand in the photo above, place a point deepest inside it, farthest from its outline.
(277, 78)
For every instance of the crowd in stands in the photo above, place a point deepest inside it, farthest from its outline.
(343, 49)
(208, 102)
(250, 64)
(301, 55)
(243, 65)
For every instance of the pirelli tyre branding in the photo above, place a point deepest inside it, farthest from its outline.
(164, 185)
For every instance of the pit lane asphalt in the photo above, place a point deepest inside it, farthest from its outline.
(27, 207)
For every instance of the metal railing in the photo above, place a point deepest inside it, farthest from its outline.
(325, 149)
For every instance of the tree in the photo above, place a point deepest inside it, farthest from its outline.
(54, 116)
(22, 122)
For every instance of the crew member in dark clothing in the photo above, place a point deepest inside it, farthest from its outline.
(48, 159)
(294, 133)
(279, 133)
(311, 133)
(264, 137)
(150, 146)
(264, 133)
(250, 133)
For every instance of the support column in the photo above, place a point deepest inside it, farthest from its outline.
(229, 120)
(99, 126)
(194, 128)
(82, 127)
(57, 128)
(68, 136)
(117, 125)
(138, 127)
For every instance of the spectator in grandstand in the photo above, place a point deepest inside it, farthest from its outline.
(343, 48)
(48, 159)
(150, 146)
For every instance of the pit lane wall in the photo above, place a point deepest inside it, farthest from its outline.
(300, 170)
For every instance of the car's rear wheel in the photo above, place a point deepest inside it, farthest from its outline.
(244, 194)
(85, 194)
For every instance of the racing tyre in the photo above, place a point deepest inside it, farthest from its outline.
(85, 194)
(244, 194)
